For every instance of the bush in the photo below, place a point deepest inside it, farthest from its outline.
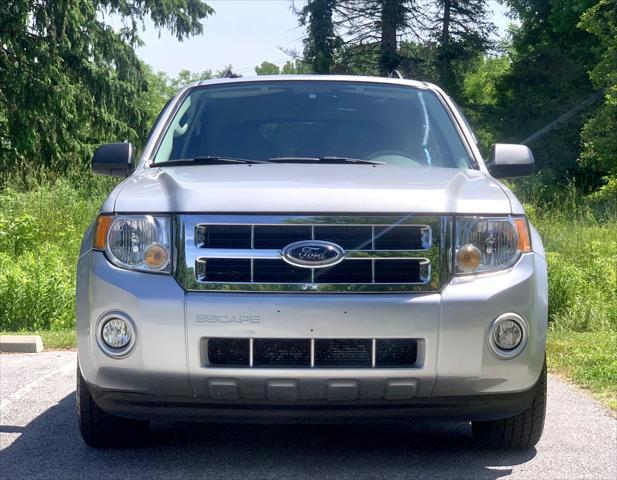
(40, 235)
(580, 237)
(37, 290)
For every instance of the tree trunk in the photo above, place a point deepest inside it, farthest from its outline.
(444, 46)
(319, 46)
(388, 56)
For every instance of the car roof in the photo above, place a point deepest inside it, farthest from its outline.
(336, 78)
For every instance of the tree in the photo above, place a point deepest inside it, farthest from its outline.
(392, 18)
(295, 67)
(599, 137)
(69, 82)
(373, 30)
(479, 97)
(321, 40)
(548, 76)
(267, 68)
(462, 29)
(291, 67)
(161, 87)
(185, 77)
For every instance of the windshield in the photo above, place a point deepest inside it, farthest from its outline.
(284, 120)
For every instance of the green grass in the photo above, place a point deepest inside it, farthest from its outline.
(587, 358)
(582, 265)
(52, 339)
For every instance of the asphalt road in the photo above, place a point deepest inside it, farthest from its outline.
(39, 439)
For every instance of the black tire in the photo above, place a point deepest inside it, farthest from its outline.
(100, 429)
(521, 431)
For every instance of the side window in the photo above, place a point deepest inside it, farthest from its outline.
(176, 130)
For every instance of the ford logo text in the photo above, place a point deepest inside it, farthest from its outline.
(313, 254)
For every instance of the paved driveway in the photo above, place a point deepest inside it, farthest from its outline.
(39, 439)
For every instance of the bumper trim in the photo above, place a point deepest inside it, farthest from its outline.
(461, 408)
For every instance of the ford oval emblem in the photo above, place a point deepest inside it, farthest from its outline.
(313, 254)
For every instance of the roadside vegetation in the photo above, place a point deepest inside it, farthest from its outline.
(580, 238)
(68, 83)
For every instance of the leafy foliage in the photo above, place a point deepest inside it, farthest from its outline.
(599, 139)
(321, 40)
(40, 235)
(581, 250)
(68, 81)
(548, 76)
(479, 95)
(267, 68)
(289, 68)
(462, 30)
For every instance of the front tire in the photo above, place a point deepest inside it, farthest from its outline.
(100, 429)
(521, 431)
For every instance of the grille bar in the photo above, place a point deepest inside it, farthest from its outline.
(310, 353)
(403, 270)
(395, 237)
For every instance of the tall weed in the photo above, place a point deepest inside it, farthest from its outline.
(580, 236)
(40, 233)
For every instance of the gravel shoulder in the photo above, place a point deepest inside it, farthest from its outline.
(39, 439)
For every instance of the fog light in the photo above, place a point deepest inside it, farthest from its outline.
(508, 335)
(116, 333)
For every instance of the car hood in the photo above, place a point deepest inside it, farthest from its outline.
(308, 188)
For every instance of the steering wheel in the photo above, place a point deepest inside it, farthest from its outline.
(395, 157)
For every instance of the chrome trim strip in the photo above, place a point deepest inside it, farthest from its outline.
(425, 276)
(251, 363)
(312, 353)
(374, 353)
(325, 220)
(311, 287)
(426, 230)
(275, 254)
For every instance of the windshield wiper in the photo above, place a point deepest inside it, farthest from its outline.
(205, 160)
(324, 159)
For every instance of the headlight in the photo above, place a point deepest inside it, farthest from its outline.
(135, 242)
(486, 244)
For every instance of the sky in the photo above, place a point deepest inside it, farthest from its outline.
(242, 33)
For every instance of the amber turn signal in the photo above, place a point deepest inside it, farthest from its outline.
(468, 258)
(524, 242)
(103, 222)
(156, 256)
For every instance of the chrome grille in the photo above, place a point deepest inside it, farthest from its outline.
(244, 253)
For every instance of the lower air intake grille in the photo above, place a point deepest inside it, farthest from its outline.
(281, 353)
(343, 353)
(310, 353)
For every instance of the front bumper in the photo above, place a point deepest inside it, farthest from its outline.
(456, 367)
(462, 408)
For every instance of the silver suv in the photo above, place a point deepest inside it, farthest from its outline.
(312, 248)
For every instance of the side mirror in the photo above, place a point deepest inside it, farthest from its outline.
(509, 160)
(113, 159)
